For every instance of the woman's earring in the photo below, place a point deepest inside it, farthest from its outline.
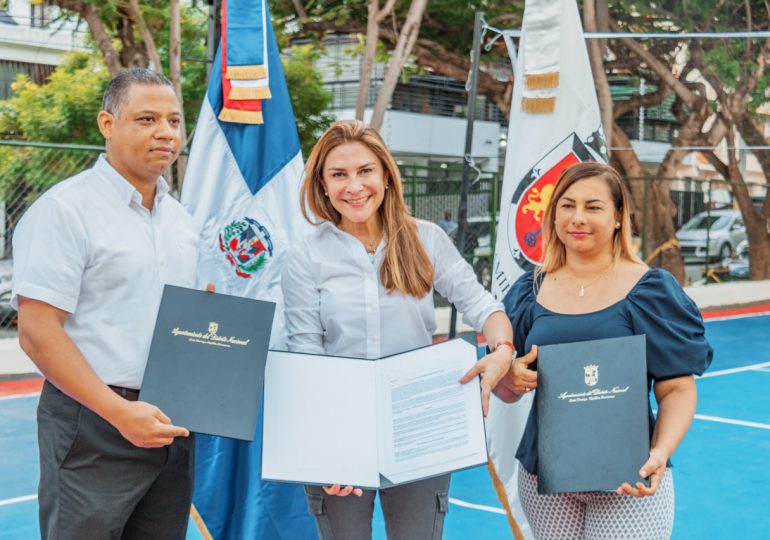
(617, 224)
(326, 193)
(386, 186)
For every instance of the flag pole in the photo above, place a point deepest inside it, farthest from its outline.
(462, 211)
(214, 32)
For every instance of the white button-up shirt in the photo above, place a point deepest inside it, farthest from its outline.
(335, 303)
(89, 247)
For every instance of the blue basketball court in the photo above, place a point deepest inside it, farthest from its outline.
(721, 469)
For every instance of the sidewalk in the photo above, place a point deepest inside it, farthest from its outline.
(14, 363)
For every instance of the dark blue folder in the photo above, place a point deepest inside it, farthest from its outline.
(206, 365)
(593, 425)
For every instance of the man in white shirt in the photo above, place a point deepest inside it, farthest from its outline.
(91, 257)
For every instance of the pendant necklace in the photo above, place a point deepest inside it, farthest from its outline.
(583, 288)
(370, 251)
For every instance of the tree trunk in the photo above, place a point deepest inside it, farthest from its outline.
(406, 39)
(300, 9)
(634, 173)
(596, 49)
(757, 224)
(367, 60)
(90, 14)
(175, 74)
(149, 42)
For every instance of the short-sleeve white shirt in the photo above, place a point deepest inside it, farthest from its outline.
(88, 247)
(335, 303)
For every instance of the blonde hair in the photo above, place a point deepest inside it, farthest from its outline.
(554, 252)
(406, 267)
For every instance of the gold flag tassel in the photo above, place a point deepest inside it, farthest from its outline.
(241, 117)
(538, 105)
(262, 92)
(538, 81)
(246, 72)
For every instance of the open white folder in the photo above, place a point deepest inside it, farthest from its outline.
(371, 423)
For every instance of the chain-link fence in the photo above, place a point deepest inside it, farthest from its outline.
(710, 233)
(26, 171)
(433, 194)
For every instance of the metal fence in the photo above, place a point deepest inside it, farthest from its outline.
(714, 253)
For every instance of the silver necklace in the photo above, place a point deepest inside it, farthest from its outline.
(582, 291)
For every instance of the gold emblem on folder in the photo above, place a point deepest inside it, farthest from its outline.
(213, 327)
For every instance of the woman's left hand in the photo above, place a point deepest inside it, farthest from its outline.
(492, 368)
(655, 468)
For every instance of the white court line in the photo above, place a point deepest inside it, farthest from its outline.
(19, 396)
(731, 421)
(763, 370)
(15, 500)
(752, 367)
(457, 502)
(464, 504)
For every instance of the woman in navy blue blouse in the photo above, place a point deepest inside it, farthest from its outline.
(592, 286)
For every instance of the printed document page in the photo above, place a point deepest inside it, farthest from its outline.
(430, 424)
(319, 420)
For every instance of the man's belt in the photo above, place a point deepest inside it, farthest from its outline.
(127, 393)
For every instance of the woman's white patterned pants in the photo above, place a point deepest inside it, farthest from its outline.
(598, 515)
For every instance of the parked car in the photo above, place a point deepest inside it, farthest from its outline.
(738, 266)
(723, 228)
(6, 271)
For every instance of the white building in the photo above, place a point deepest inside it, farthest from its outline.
(426, 121)
(33, 41)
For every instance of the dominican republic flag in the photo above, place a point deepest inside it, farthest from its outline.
(554, 123)
(242, 189)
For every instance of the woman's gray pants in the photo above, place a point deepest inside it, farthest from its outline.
(412, 511)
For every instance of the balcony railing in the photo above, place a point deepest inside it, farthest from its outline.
(425, 95)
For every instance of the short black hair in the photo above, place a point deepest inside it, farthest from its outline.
(117, 89)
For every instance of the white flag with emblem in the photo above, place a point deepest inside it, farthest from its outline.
(554, 122)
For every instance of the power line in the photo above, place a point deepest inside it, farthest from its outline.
(648, 35)
(695, 148)
(675, 35)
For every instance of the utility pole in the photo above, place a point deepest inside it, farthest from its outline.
(462, 212)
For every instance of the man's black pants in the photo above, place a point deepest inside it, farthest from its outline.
(95, 484)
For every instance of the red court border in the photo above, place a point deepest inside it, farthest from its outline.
(22, 386)
(32, 385)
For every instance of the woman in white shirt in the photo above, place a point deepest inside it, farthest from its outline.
(362, 285)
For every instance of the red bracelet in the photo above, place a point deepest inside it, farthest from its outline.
(504, 342)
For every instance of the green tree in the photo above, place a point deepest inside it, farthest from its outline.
(443, 46)
(309, 96)
(63, 110)
(717, 86)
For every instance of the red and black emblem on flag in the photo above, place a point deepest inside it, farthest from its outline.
(532, 196)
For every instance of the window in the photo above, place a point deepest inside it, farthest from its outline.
(40, 13)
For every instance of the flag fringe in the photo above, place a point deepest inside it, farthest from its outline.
(503, 497)
(241, 117)
(198, 520)
(538, 105)
(240, 93)
(246, 72)
(538, 81)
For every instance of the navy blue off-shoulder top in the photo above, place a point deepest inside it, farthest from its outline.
(656, 306)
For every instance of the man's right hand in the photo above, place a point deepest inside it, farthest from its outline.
(146, 426)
